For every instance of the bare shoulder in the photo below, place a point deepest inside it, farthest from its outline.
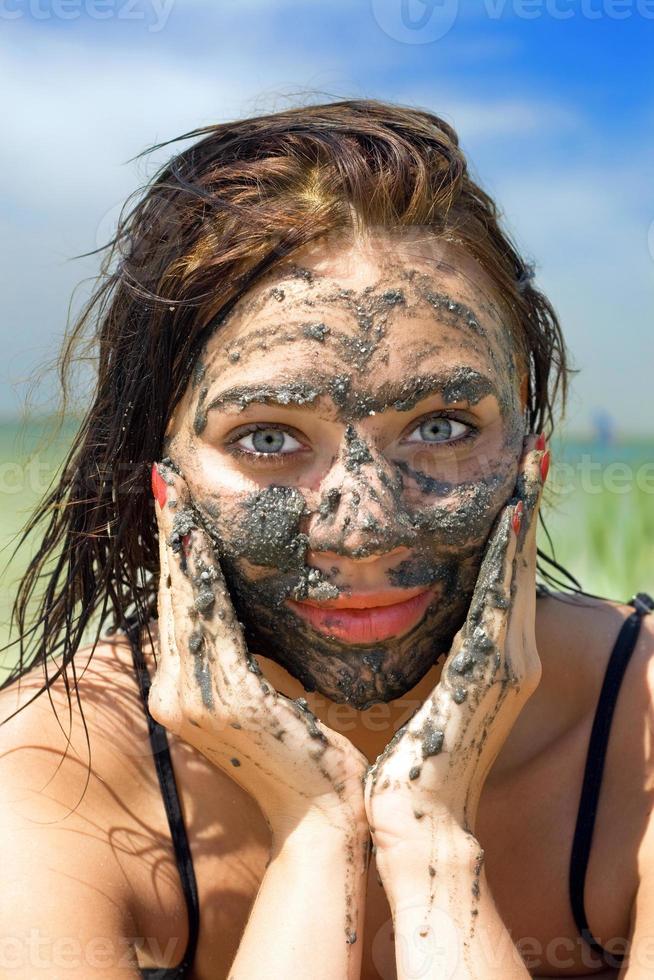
(85, 721)
(88, 749)
(585, 631)
(66, 792)
(577, 634)
(78, 755)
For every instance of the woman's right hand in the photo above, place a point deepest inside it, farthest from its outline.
(210, 691)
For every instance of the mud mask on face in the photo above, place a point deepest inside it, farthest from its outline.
(269, 542)
(262, 540)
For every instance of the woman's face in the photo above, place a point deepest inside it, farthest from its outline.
(348, 437)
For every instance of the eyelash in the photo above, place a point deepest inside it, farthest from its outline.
(472, 432)
(280, 459)
(270, 459)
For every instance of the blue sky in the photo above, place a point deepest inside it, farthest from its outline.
(553, 101)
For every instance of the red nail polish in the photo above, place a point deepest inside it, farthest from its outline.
(159, 488)
(544, 466)
(540, 442)
(516, 520)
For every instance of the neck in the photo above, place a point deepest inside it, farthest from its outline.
(369, 731)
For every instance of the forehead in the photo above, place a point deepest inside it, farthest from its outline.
(386, 309)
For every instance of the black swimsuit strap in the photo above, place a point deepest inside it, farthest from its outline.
(166, 774)
(596, 757)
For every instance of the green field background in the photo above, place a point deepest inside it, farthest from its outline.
(599, 509)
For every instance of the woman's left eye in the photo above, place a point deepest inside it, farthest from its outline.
(268, 441)
(439, 428)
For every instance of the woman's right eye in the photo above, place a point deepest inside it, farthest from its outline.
(267, 441)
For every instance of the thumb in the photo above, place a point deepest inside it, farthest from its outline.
(174, 524)
(174, 514)
(535, 466)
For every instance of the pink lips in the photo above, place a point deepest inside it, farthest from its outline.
(366, 617)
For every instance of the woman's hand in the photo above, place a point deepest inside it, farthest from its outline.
(431, 773)
(210, 691)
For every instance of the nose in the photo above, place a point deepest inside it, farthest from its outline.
(360, 513)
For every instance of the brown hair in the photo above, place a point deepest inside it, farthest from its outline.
(213, 220)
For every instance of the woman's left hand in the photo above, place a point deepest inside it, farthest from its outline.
(431, 773)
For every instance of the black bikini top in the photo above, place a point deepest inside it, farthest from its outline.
(592, 781)
(166, 774)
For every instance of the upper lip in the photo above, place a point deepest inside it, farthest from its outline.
(367, 600)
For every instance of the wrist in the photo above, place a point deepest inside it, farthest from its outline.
(409, 866)
(320, 830)
(307, 815)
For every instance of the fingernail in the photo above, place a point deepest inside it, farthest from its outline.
(516, 520)
(159, 488)
(186, 542)
(540, 442)
(544, 466)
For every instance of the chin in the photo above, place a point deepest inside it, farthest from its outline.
(347, 673)
(359, 674)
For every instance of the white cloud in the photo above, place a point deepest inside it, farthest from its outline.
(486, 119)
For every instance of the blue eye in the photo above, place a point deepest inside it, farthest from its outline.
(268, 441)
(439, 428)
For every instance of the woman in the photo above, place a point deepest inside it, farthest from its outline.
(314, 327)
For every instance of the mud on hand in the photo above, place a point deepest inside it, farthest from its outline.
(209, 690)
(435, 767)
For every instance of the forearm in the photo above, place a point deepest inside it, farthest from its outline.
(445, 920)
(307, 919)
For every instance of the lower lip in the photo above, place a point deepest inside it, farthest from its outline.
(365, 625)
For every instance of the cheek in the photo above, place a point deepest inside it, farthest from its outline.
(262, 527)
(455, 495)
(460, 516)
(491, 455)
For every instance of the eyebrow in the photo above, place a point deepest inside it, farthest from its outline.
(463, 384)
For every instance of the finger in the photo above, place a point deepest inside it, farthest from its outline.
(477, 651)
(478, 671)
(440, 725)
(175, 593)
(163, 699)
(529, 489)
(214, 661)
(475, 658)
(521, 649)
(494, 587)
